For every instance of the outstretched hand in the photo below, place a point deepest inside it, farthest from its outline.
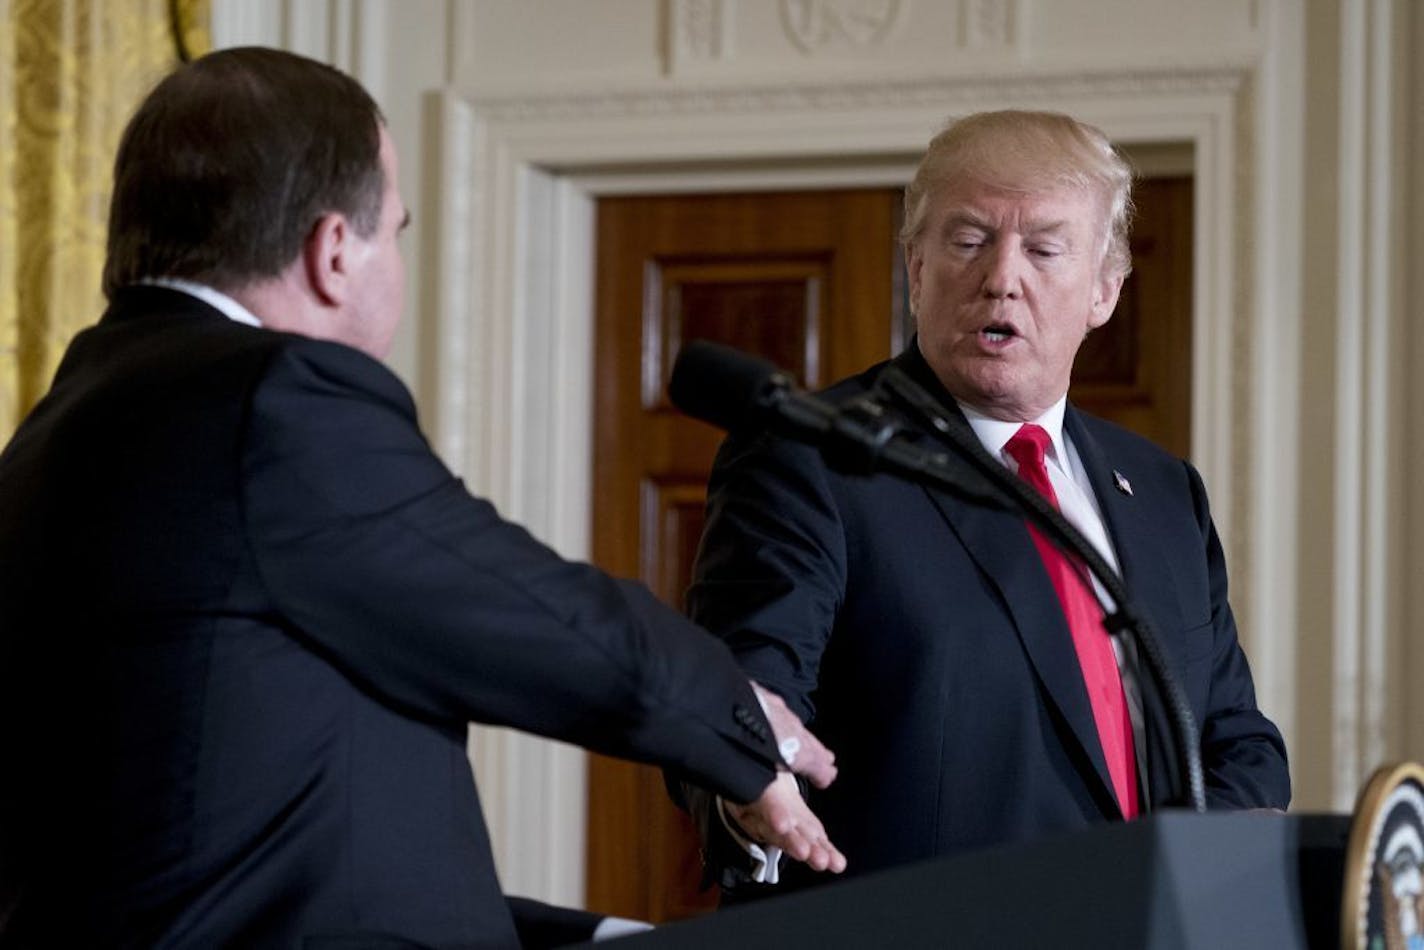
(781, 818)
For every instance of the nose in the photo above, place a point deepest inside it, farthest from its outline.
(1003, 271)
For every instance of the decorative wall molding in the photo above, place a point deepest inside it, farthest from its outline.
(348, 35)
(1369, 321)
(942, 93)
(1411, 665)
(813, 25)
(990, 23)
(699, 31)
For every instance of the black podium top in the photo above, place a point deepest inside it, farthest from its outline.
(1175, 881)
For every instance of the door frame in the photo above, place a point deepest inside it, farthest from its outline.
(514, 199)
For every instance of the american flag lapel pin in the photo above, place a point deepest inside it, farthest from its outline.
(1120, 480)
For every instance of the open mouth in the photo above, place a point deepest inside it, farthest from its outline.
(998, 333)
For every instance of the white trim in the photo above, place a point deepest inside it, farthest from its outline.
(1348, 461)
(1411, 282)
(253, 23)
(453, 277)
(886, 173)
(1215, 333)
(1378, 410)
(1269, 575)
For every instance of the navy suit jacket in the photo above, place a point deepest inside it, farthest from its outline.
(921, 637)
(245, 616)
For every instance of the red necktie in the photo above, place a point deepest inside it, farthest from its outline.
(1085, 622)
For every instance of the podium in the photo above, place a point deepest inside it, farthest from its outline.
(1174, 881)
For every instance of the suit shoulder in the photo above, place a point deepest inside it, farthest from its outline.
(1115, 448)
(855, 385)
(1119, 440)
(323, 367)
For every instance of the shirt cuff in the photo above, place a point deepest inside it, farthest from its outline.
(766, 860)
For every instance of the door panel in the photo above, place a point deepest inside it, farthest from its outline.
(1137, 369)
(803, 279)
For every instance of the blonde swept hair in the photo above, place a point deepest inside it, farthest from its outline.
(1019, 150)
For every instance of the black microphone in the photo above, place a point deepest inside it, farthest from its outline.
(737, 391)
(740, 392)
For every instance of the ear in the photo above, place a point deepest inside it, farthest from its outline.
(326, 258)
(1105, 292)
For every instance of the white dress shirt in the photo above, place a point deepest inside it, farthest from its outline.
(214, 298)
(1076, 501)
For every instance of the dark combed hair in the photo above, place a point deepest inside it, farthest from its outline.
(230, 162)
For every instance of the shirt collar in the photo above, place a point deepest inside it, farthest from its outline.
(214, 298)
(995, 433)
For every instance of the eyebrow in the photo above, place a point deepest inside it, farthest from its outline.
(1034, 229)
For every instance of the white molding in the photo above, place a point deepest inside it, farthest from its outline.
(1412, 667)
(812, 25)
(696, 32)
(891, 172)
(993, 24)
(1379, 417)
(1270, 614)
(246, 23)
(1349, 332)
(459, 250)
(1370, 436)
(941, 96)
(1367, 327)
(348, 34)
(306, 27)
(1215, 415)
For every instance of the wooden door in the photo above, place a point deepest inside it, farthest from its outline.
(1137, 370)
(805, 279)
(814, 282)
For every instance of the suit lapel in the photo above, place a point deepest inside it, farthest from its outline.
(1140, 555)
(1141, 561)
(999, 543)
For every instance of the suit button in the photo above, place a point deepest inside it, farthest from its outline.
(748, 721)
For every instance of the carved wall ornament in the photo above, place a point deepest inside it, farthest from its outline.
(988, 23)
(698, 30)
(815, 24)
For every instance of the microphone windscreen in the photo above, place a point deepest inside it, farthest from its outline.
(724, 386)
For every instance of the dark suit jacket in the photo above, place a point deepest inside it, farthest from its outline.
(921, 637)
(245, 616)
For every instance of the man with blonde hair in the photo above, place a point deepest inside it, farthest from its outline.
(956, 660)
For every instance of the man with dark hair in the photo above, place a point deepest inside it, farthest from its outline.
(956, 661)
(246, 614)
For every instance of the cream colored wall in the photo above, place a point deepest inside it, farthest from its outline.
(1306, 127)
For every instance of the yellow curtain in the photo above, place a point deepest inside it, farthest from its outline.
(71, 73)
